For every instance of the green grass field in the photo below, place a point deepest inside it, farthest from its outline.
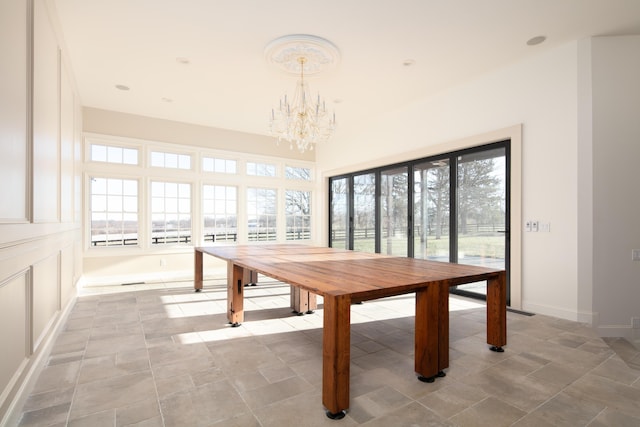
(468, 246)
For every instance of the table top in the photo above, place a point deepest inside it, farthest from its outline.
(332, 272)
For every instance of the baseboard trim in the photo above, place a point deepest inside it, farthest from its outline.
(622, 331)
(551, 311)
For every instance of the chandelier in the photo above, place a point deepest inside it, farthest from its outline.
(302, 120)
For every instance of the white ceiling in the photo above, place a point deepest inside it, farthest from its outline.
(228, 84)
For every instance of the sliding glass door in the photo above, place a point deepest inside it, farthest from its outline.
(453, 208)
(394, 214)
(431, 210)
(481, 231)
(364, 212)
(339, 213)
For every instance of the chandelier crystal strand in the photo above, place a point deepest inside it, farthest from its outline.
(304, 121)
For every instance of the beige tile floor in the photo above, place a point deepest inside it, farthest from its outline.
(162, 355)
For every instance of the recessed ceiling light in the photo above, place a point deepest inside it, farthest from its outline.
(122, 87)
(182, 60)
(536, 40)
(408, 62)
(166, 99)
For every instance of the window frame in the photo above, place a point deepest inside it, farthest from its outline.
(214, 239)
(113, 144)
(145, 174)
(287, 216)
(452, 157)
(151, 237)
(258, 225)
(295, 179)
(261, 163)
(217, 158)
(176, 153)
(90, 210)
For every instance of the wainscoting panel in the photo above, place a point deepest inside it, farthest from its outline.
(13, 111)
(67, 283)
(14, 328)
(46, 123)
(46, 296)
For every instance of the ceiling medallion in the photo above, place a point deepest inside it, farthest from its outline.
(284, 53)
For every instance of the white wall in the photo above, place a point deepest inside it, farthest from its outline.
(40, 167)
(616, 203)
(585, 185)
(106, 122)
(540, 94)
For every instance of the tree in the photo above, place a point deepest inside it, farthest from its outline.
(394, 206)
(480, 194)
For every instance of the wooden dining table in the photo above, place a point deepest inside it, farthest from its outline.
(344, 277)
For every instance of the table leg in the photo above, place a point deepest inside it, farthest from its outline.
(235, 299)
(302, 301)
(497, 312)
(443, 330)
(336, 357)
(250, 277)
(197, 274)
(427, 334)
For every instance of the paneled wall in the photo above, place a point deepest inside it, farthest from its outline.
(40, 171)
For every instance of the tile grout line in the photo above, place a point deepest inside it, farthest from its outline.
(84, 352)
(238, 390)
(597, 415)
(571, 383)
(153, 375)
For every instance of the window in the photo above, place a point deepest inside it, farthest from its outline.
(112, 154)
(292, 172)
(453, 207)
(298, 214)
(261, 169)
(431, 209)
(339, 214)
(261, 213)
(213, 164)
(394, 213)
(177, 196)
(220, 212)
(170, 212)
(364, 212)
(170, 160)
(114, 211)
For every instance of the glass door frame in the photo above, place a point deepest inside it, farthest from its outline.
(452, 156)
(453, 218)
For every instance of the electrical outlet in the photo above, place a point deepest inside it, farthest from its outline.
(534, 226)
(635, 322)
(527, 226)
(635, 254)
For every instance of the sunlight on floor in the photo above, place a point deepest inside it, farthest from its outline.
(266, 306)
